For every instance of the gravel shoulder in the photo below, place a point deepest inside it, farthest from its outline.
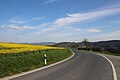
(116, 62)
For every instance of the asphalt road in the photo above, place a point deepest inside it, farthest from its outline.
(83, 66)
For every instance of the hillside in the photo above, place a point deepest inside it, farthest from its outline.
(112, 46)
(111, 43)
(66, 44)
(42, 43)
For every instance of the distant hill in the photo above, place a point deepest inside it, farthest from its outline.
(111, 43)
(41, 43)
(112, 46)
(66, 44)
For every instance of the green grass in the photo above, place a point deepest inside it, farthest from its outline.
(20, 62)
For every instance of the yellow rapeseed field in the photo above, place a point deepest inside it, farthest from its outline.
(6, 48)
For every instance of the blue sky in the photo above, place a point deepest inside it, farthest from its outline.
(59, 20)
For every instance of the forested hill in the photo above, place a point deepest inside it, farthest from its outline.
(110, 43)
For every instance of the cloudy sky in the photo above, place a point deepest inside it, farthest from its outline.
(59, 20)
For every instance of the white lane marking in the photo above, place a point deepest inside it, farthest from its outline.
(113, 68)
(28, 72)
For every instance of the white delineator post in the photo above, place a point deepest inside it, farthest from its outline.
(45, 59)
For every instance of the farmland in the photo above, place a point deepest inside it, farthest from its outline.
(6, 48)
(17, 58)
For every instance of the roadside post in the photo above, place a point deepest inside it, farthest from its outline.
(45, 59)
(90, 49)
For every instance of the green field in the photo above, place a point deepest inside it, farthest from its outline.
(24, 61)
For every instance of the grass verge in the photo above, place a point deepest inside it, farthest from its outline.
(20, 62)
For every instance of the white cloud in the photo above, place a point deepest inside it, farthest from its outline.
(116, 21)
(37, 18)
(50, 1)
(79, 17)
(105, 36)
(77, 29)
(16, 27)
(49, 29)
(53, 31)
(93, 30)
(111, 35)
(16, 22)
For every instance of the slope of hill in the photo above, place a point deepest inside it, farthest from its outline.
(112, 46)
(66, 44)
(41, 43)
(110, 43)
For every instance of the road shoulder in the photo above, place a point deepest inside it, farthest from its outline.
(116, 62)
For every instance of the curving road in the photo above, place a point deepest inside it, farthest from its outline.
(83, 66)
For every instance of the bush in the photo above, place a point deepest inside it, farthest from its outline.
(106, 50)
